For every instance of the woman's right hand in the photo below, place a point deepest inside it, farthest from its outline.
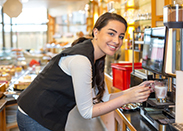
(138, 93)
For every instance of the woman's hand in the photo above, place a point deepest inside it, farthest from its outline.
(138, 93)
(148, 83)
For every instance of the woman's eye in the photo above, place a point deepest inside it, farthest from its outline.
(121, 37)
(111, 34)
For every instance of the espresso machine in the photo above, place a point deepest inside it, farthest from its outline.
(161, 115)
(158, 113)
(173, 19)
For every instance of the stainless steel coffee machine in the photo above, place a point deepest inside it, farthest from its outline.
(161, 115)
(158, 113)
(173, 19)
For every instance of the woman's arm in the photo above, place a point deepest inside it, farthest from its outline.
(80, 70)
(145, 83)
(131, 95)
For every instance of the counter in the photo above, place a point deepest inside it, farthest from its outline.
(135, 122)
(119, 120)
(6, 102)
(9, 102)
(2, 104)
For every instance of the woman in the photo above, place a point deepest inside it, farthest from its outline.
(75, 77)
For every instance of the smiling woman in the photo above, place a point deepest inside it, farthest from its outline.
(75, 77)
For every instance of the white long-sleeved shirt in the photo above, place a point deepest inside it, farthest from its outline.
(79, 68)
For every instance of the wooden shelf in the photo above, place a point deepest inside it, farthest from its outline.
(11, 105)
(122, 121)
(11, 125)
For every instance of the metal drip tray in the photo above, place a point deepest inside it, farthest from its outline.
(178, 127)
(153, 102)
(158, 118)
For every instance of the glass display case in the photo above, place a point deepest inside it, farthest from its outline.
(6, 57)
(12, 57)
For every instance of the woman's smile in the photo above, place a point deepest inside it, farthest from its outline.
(112, 47)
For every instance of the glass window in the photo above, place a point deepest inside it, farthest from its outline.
(0, 15)
(58, 20)
(77, 28)
(1, 38)
(7, 37)
(32, 16)
(30, 36)
(64, 19)
(6, 19)
(29, 29)
(78, 17)
(76, 23)
(31, 40)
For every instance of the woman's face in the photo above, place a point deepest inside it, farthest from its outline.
(109, 39)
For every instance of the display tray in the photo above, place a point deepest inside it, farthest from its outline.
(9, 93)
(130, 107)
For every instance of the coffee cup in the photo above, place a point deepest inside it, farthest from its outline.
(160, 88)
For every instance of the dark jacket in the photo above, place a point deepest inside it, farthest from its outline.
(50, 97)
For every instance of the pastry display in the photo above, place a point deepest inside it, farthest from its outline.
(21, 85)
(5, 76)
(5, 82)
(24, 83)
(7, 69)
(131, 106)
(27, 77)
(18, 68)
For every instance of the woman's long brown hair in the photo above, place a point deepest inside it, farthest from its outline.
(100, 63)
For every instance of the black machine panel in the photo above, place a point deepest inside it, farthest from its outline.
(154, 49)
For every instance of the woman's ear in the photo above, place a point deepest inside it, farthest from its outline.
(95, 32)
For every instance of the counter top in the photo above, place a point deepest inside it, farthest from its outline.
(138, 122)
(2, 104)
(12, 100)
(6, 101)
